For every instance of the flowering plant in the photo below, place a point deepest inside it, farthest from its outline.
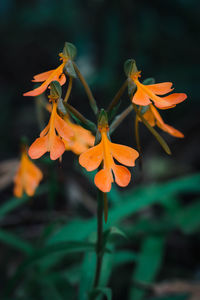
(68, 129)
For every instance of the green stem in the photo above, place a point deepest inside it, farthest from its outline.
(68, 90)
(117, 96)
(84, 122)
(137, 137)
(87, 89)
(152, 130)
(99, 246)
(117, 121)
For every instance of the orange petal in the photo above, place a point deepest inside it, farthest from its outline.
(39, 147)
(92, 158)
(53, 76)
(44, 131)
(171, 130)
(122, 175)
(30, 184)
(124, 154)
(63, 128)
(62, 79)
(34, 171)
(32, 178)
(56, 147)
(171, 100)
(141, 98)
(103, 180)
(79, 148)
(149, 117)
(38, 90)
(160, 88)
(18, 187)
(156, 114)
(42, 76)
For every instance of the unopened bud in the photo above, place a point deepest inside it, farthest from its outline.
(55, 90)
(69, 50)
(130, 67)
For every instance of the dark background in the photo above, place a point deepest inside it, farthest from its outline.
(163, 38)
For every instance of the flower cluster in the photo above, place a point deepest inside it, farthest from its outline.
(62, 134)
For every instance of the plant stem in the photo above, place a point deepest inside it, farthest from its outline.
(68, 90)
(99, 250)
(137, 137)
(117, 121)
(90, 125)
(152, 130)
(87, 89)
(117, 96)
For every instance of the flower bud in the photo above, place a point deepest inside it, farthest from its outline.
(55, 90)
(103, 119)
(69, 50)
(130, 67)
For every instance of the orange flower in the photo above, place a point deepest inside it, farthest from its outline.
(49, 76)
(154, 118)
(49, 141)
(145, 93)
(105, 151)
(27, 178)
(82, 139)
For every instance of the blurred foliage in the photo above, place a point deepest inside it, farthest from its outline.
(60, 262)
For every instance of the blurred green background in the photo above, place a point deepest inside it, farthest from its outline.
(159, 211)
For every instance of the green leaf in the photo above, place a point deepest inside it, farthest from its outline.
(11, 204)
(67, 247)
(87, 275)
(102, 291)
(172, 297)
(128, 204)
(107, 235)
(123, 257)
(15, 242)
(188, 218)
(148, 266)
(88, 272)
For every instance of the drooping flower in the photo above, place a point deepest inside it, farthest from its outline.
(107, 151)
(154, 118)
(27, 178)
(81, 140)
(49, 141)
(147, 93)
(49, 76)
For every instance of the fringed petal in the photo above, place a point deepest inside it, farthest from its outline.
(160, 88)
(63, 129)
(122, 175)
(103, 180)
(141, 98)
(92, 158)
(42, 76)
(39, 147)
(124, 154)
